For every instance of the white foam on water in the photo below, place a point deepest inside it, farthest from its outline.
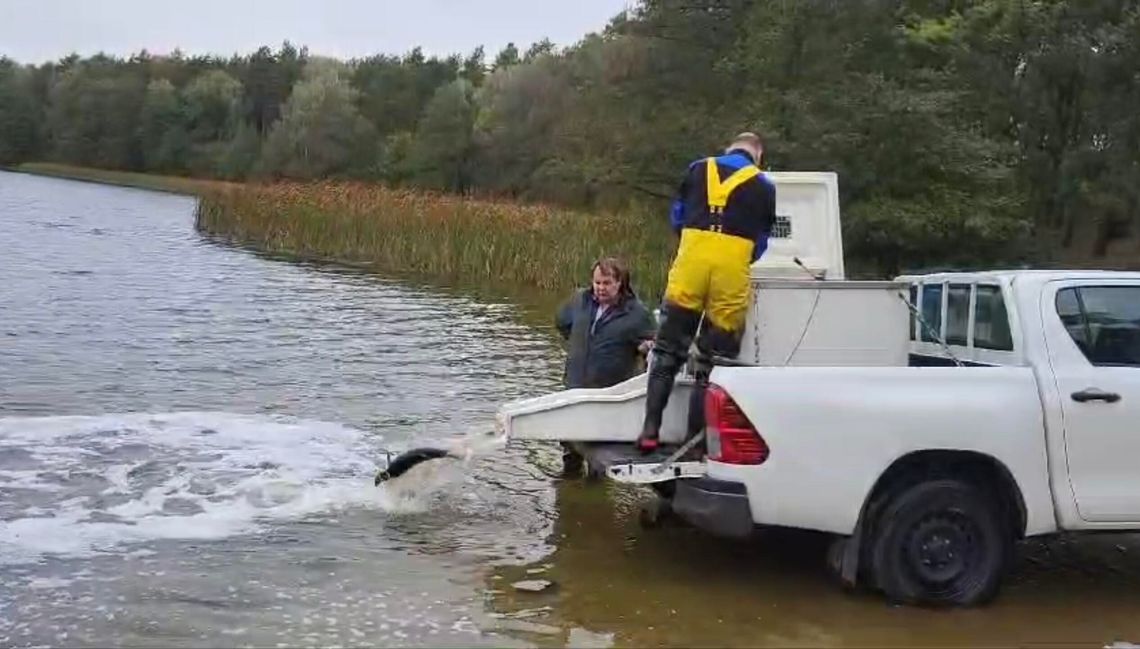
(112, 480)
(49, 583)
(25, 480)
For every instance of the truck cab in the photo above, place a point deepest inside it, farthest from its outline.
(1079, 331)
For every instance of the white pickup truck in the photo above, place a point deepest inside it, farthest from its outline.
(928, 445)
(929, 475)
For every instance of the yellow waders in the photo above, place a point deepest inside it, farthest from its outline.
(710, 271)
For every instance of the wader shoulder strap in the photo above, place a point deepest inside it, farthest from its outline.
(718, 192)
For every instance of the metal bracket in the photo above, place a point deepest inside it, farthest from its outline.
(651, 473)
(685, 448)
(664, 471)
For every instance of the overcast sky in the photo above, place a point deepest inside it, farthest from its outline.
(34, 31)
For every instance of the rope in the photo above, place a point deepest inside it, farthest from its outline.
(807, 325)
(930, 330)
(685, 448)
(811, 314)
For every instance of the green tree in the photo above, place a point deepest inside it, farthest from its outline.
(516, 130)
(538, 49)
(394, 91)
(212, 101)
(1059, 80)
(19, 114)
(850, 87)
(506, 58)
(267, 78)
(238, 159)
(212, 112)
(474, 67)
(93, 113)
(321, 132)
(161, 131)
(442, 152)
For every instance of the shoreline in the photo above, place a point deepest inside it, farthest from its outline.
(536, 305)
(180, 185)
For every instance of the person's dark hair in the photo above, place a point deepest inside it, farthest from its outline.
(616, 269)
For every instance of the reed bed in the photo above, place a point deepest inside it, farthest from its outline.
(488, 242)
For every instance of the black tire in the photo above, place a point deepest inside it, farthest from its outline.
(940, 543)
(834, 561)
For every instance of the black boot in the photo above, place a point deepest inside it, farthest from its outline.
(571, 462)
(656, 398)
(669, 353)
(696, 420)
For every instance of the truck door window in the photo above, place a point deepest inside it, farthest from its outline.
(958, 314)
(991, 321)
(932, 309)
(914, 303)
(1104, 322)
(1069, 310)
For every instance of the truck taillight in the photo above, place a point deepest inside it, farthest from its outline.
(732, 439)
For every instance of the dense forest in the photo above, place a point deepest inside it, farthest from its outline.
(963, 131)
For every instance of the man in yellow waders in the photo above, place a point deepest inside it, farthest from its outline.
(723, 213)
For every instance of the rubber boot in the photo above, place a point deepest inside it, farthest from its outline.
(656, 398)
(673, 339)
(572, 462)
(696, 418)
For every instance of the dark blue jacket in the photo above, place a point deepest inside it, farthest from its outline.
(751, 209)
(605, 353)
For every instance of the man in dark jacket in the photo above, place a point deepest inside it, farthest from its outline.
(608, 329)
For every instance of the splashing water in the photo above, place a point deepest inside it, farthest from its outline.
(409, 491)
(84, 485)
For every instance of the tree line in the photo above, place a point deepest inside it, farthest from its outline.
(964, 132)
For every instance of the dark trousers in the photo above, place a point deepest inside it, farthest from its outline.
(572, 461)
(670, 353)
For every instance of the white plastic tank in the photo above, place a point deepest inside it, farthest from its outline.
(803, 310)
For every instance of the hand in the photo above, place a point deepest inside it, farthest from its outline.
(645, 347)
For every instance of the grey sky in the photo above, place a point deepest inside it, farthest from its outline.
(34, 31)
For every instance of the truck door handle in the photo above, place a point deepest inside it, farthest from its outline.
(1095, 394)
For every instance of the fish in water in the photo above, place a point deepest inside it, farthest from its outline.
(408, 459)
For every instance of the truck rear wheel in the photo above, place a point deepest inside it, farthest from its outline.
(940, 542)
